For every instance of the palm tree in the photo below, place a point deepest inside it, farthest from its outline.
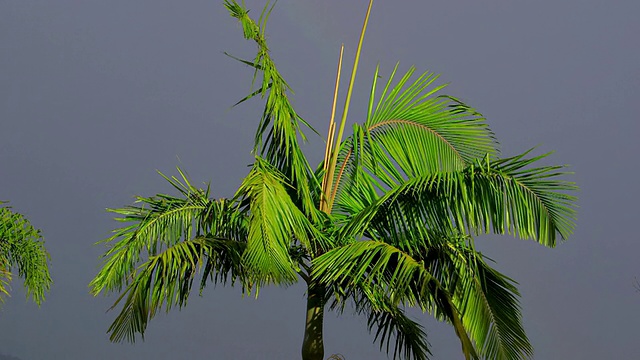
(387, 221)
(22, 247)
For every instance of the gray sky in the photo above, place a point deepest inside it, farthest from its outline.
(95, 96)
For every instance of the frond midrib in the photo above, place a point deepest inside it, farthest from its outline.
(427, 128)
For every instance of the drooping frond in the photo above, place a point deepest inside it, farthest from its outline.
(165, 280)
(22, 247)
(275, 224)
(489, 307)
(501, 196)
(156, 257)
(487, 300)
(276, 139)
(391, 322)
(395, 332)
(162, 221)
(397, 275)
(528, 202)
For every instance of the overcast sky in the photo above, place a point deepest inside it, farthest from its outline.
(95, 96)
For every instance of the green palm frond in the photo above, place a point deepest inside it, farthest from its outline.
(356, 190)
(413, 131)
(162, 221)
(5, 279)
(410, 338)
(275, 224)
(165, 280)
(506, 196)
(486, 300)
(159, 222)
(417, 127)
(396, 274)
(532, 202)
(503, 196)
(276, 139)
(173, 238)
(22, 247)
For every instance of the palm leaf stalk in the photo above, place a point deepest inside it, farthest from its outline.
(386, 222)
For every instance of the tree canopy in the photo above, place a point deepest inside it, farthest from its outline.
(386, 221)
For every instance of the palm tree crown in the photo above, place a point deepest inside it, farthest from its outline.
(387, 221)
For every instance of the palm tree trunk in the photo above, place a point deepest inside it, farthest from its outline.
(312, 344)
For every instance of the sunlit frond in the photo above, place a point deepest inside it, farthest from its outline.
(169, 239)
(501, 196)
(275, 224)
(22, 248)
(439, 132)
(413, 131)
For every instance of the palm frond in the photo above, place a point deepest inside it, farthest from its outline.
(5, 279)
(413, 131)
(22, 247)
(275, 224)
(487, 300)
(400, 277)
(276, 139)
(162, 221)
(530, 202)
(410, 338)
(502, 196)
(427, 126)
(386, 320)
(415, 218)
(165, 280)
